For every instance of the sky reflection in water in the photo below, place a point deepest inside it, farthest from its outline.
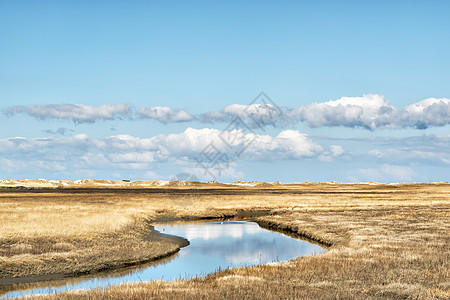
(213, 245)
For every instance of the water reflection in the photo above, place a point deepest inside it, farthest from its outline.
(208, 231)
(236, 244)
(212, 246)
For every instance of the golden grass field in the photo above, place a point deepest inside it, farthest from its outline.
(386, 241)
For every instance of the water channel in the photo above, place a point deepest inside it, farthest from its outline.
(213, 246)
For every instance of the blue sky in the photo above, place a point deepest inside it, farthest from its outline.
(138, 89)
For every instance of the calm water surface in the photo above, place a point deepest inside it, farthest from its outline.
(213, 246)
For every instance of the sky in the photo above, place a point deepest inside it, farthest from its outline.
(291, 91)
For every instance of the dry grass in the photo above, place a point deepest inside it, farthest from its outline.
(68, 233)
(387, 241)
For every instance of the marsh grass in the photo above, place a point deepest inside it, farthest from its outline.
(385, 241)
(44, 233)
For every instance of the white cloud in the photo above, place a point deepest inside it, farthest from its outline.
(336, 150)
(125, 148)
(78, 113)
(374, 112)
(95, 160)
(286, 145)
(19, 146)
(12, 165)
(426, 113)
(424, 149)
(417, 156)
(191, 142)
(368, 111)
(150, 175)
(229, 172)
(59, 131)
(253, 115)
(132, 157)
(333, 152)
(165, 114)
(128, 152)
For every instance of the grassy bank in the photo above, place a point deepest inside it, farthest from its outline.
(51, 235)
(36, 258)
(386, 241)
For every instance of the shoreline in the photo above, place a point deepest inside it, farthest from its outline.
(24, 283)
(154, 235)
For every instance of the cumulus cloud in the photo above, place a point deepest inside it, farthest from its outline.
(78, 113)
(288, 144)
(374, 112)
(192, 142)
(165, 114)
(368, 111)
(426, 113)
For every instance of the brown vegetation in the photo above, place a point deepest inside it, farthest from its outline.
(386, 241)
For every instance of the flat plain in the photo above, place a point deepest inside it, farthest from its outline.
(382, 240)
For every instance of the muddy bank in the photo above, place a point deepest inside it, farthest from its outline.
(217, 214)
(296, 232)
(155, 235)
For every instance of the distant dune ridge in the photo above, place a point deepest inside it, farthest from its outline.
(43, 183)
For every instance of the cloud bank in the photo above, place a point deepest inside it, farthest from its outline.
(386, 159)
(368, 111)
(65, 153)
(78, 113)
(386, 172)
(426, 149)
